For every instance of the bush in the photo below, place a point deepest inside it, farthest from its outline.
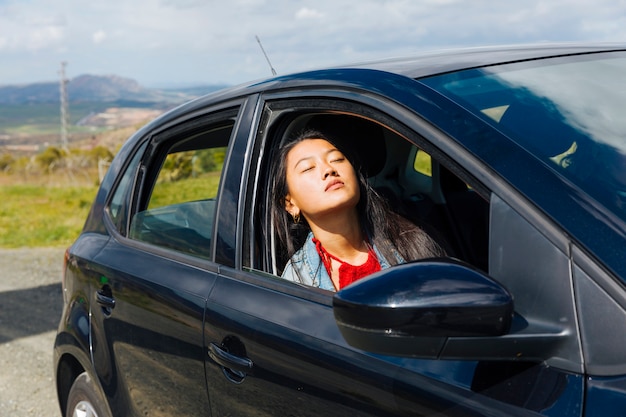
(6, 160)
(51, 158)
(99, 153)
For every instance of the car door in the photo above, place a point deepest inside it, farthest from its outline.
(153, 277)
(274, 347)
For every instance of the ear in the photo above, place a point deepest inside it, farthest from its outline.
(291, 206)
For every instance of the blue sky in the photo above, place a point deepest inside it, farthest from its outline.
(179, 42)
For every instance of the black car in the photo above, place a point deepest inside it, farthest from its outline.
(514, 158)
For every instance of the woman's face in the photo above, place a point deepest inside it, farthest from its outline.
(320, 180)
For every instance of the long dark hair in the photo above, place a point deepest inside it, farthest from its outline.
(390, 233)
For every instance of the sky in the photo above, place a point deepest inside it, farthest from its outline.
(162, 43)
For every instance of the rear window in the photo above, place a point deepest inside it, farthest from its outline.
(180, 209)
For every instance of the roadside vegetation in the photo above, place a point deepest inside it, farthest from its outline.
(38, 215)
(46, 197)
(47, 189)
(46, 193)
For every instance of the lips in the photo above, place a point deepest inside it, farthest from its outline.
(334, 184)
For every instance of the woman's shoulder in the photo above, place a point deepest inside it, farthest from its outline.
(295, 267)
(305, 267)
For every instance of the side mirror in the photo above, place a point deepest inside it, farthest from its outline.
(412, 309)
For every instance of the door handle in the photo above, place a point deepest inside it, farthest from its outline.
(104, 297)
(235, 367)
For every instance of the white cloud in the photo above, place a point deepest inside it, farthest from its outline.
(99, 36)
(306, 13)
(156, 41)
(43, 37)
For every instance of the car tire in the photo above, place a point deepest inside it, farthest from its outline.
(85, 400)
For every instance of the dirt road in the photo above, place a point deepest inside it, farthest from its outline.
(30, 308)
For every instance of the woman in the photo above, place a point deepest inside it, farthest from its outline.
(335, 227)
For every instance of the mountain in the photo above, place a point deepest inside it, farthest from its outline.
(96, 88)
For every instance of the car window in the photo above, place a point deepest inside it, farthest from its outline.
(416, 185)
(559, 110)
(119, 204)
(177, 209)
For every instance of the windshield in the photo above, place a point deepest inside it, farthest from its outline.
(567, 111)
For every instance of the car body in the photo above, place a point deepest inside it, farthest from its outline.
(511, 156)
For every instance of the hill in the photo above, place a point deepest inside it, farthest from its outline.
(95, 88)
(30, 114)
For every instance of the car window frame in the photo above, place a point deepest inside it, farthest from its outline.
(153, 142)
(124, 188)
(273, 106)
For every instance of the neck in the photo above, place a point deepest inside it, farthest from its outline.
(342, 236)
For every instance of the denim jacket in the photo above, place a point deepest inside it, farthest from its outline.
(306, 267)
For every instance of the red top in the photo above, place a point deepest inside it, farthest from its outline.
(348, 273)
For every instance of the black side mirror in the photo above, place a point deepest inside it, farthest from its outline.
(412, 309)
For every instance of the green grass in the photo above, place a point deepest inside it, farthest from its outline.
(190, 189)
(35, 215)
(39, 216)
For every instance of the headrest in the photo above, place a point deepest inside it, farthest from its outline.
(360, 139)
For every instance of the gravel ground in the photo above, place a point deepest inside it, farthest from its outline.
(30, 309)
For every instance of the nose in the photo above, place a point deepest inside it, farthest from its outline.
(329, 170)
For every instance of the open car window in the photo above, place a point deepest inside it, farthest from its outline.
(415, 182)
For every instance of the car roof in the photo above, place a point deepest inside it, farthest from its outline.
(419, 65)
(424, 64)
(435, 62)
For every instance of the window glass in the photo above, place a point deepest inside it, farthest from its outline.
(180, 209)
(566, 111)
(119, 205)
(188, 176)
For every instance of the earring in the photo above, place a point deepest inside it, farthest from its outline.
(296, 218)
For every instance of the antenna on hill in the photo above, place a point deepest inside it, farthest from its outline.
(266, 57)
(64, 105)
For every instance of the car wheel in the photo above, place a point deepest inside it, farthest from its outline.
(84, 399)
